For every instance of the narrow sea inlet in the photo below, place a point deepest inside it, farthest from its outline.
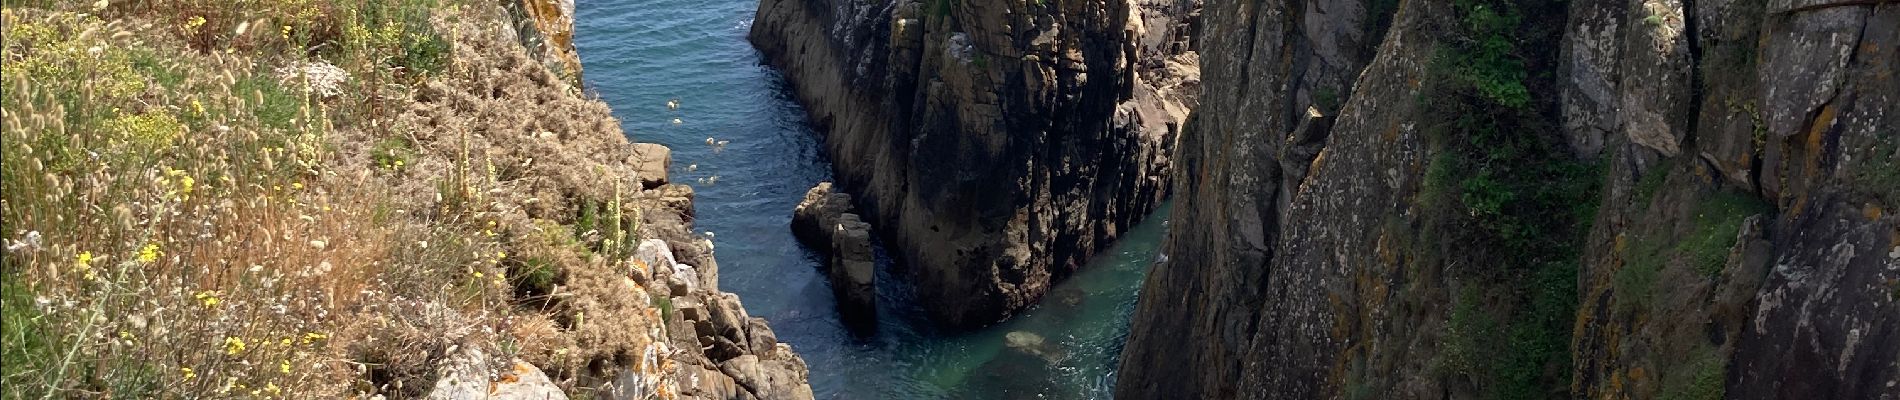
(639, 55)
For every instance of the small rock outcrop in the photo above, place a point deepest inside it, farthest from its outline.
(825, 221)
(713, 348)
(467, 376)
(650, 162)
(995, 144)
(546, 29)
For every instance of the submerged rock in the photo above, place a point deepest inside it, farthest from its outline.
(1035, 345)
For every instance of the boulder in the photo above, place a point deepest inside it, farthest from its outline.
(672, 197)
(466, 376)
(650, 161)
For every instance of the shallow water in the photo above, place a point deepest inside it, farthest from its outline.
(639, 54)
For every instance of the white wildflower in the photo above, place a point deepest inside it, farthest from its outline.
(320, 77)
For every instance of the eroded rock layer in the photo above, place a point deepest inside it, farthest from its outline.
(997, 144)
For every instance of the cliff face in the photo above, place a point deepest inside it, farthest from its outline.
(997, 144)
(1695, 203)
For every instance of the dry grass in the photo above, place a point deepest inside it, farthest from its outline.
(188, 213)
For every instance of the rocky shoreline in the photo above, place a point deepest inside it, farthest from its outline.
(994, 145)
(661, 329)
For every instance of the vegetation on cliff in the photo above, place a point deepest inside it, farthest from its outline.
(1504, 187)
(297, 198)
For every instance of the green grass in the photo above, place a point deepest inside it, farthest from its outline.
(1879, 173)
(1717, 220)
(665, 304)
(25, 342)
(274, 105)
(1651, 184)
(1635, 284)
(393, 153)
(1698, 378)
(1705, 247)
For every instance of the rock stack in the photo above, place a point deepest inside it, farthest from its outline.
(825, 221)
(996, 144)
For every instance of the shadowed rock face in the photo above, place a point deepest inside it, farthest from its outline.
(1743, 242)
(996, 144)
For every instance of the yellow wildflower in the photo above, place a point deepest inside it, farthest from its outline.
(149, 253)
(313, 336)
(284, 366)
(83, 263)
(501, 255)
(197, 107)
(195, 22)
(233, 345)
(273, 389)
(209, 298)
(185, 184)
(187, 372)
(296, 185)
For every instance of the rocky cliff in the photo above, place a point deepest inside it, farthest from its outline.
(628, 297)
(996, 144)
(1533, 199)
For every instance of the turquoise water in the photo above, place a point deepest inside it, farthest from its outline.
(640, 54)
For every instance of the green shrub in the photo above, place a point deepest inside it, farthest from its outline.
(1504, 187)
(534, 278)
(274, 105)
(393, 153)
